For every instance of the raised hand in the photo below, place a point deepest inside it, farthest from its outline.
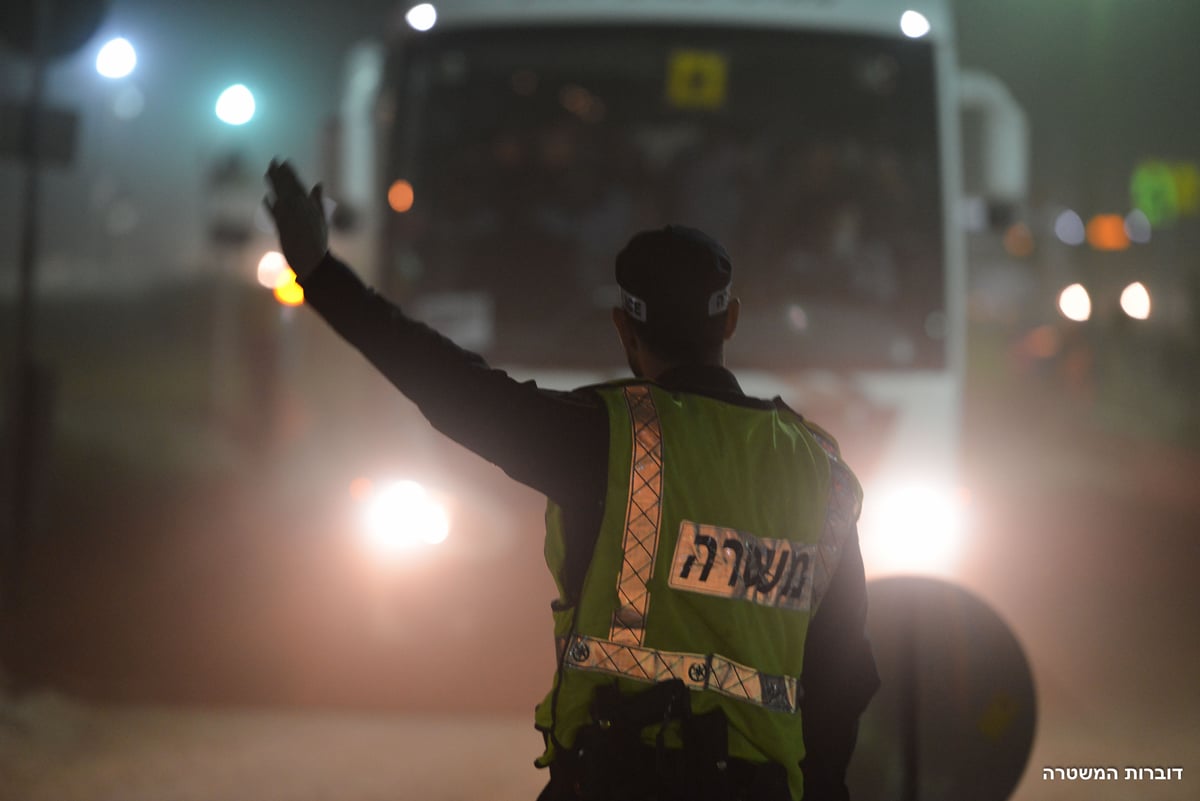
(299, 218)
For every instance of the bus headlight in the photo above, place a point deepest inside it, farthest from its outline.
(912, 528)
(403, 515)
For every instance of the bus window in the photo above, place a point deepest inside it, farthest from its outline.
(534, 153)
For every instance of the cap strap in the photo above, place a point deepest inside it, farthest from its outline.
(636, 307)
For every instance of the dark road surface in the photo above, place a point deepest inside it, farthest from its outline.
(1089, 546)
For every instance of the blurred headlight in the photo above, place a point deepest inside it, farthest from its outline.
(1075, 303)
(1135, 301)
(912, 528)
(403, 515)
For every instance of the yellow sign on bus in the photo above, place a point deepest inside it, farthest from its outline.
(697, 79)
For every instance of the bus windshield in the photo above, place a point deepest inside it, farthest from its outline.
(533, 154)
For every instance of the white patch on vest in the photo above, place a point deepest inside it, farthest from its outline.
(714, 560)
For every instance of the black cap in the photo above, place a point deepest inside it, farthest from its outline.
(674, 279)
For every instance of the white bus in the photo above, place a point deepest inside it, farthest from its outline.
(498, 153)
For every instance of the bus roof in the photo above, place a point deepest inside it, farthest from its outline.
(879, 17)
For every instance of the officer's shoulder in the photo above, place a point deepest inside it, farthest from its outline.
(827, 441)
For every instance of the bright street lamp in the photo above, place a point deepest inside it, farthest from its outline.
(235, 106)
(116, 58)
(914, 24)
(421, 17)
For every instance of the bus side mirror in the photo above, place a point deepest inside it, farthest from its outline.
(995, 144)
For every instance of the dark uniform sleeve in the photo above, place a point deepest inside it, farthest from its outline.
(839, 679)
(554, 442)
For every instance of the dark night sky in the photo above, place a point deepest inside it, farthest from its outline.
(1105, 82)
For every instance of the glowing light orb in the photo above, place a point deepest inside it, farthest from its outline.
(915, 528)
(272, 269)
(1069, 228)
(236, 105)
(1137, 226)
(1135, 301)
(914, 24)
(288, 292)
(116, 59)
(1075, 303)
(400, 196)
(421, 17)
(403, 515)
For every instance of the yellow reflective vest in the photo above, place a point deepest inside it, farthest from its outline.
(723, 526)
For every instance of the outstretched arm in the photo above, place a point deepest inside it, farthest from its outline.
(554, 442)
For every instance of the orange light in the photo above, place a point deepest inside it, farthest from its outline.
(1018, 241)
(1107, 232)
(287, 291)
(400, 196)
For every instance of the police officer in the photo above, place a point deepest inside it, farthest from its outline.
(711, 608)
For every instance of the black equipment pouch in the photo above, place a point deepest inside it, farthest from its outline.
(616, 765)
(611, 762)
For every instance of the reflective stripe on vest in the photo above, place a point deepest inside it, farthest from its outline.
(697, 671)
(642, 518)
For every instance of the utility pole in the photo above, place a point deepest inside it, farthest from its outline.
(42, 30)
(25, 384)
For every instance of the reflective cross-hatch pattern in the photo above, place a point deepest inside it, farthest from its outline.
(697, 671)
(642, 518)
